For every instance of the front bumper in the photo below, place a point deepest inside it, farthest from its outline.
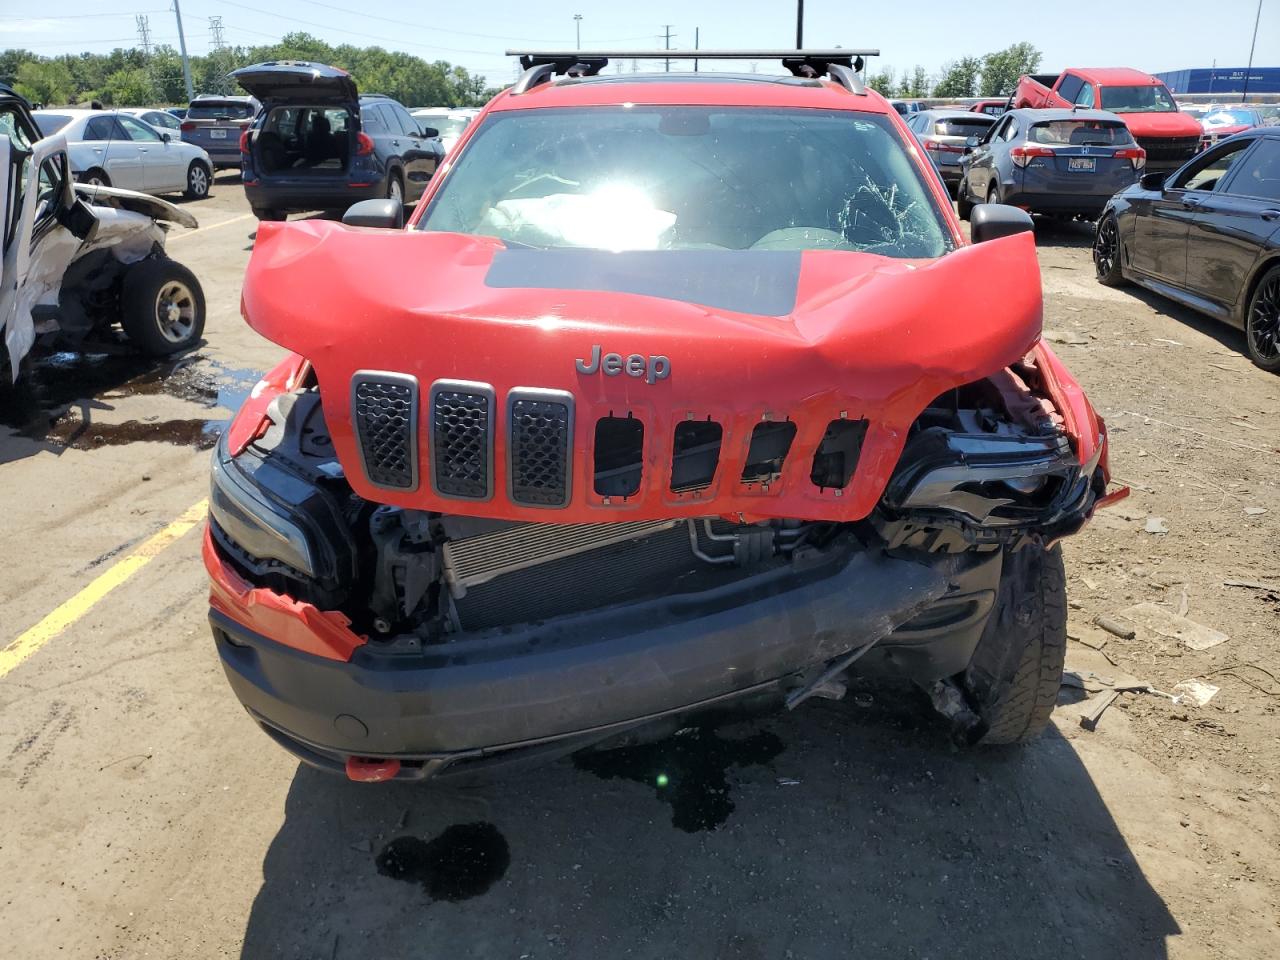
(566, 683)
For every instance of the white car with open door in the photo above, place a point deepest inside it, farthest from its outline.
(113, 148)
(78, 260)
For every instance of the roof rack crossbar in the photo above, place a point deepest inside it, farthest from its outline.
(842, 66)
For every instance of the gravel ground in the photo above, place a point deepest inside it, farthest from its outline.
(147, 817)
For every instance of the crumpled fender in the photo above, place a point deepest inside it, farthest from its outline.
(868, 337)
(153, 207)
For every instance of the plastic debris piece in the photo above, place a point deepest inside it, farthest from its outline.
(1157, 525)
(1254, 511)
(1166, 623)
(1194, 691)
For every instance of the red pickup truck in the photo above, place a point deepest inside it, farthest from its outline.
(1143, 102)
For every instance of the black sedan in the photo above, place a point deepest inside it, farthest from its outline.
(1207, 236)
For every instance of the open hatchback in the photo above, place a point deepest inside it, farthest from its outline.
(677, 392)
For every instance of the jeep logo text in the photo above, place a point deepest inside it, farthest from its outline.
(611, 364)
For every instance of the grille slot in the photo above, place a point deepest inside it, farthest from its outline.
(541, 425)
(695, 453)
(462, 439)
(770, 443)
(384, 411)
(619, 456)
(837, 456)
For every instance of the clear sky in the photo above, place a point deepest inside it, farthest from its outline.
(1169, 35)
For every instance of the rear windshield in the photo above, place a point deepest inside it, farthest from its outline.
(447, 126)
(1138, 100)
(1099, 133)
(51, 123)
(1229, 117)
(963, 126)
(691, 178)
(204, 110)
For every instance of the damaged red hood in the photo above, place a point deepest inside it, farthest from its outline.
(736, 337)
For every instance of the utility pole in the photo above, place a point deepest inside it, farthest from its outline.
(696, 45)
(577, 26)
(144, 34)
(218, 45)
(1249, 69)
(666, 27)
(182, 46)
(799, 24)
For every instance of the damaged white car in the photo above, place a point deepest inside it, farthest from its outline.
(81, 261)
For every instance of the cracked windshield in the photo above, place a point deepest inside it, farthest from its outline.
(689, 178)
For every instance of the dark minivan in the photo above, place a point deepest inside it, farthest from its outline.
(317, 144)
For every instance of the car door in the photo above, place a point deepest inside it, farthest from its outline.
(162, 168)
(115, 152)
(981, 159)
(1164, 221)
(416, 152)
(1231, 225)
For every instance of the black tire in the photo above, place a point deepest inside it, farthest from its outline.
(266, 213)
(1106, 252)
(94, 175)
(964, 206)
(199, 180)
(1262, 322)
(163, 307)
(993, 195)
(395, 187)
(1015, 674)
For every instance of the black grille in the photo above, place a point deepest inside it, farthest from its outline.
(770, 443)
(837, 456)
(540, 432)
(461, 442)
(1169, 149)
(385, 415)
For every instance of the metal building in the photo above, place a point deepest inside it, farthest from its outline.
(1222, 80)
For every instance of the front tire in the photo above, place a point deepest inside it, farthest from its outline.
(199, 177)
(993, 195)
(1016, 671)
(266, 213)
(163, 307)
(964, 206)
(395, 189)
(1262, 322)
(1106, 252)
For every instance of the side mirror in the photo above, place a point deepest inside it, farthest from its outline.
(386, 214)
(1153, 181)
(430, 133)
(166, 137)
(991, 221)
(971, 144)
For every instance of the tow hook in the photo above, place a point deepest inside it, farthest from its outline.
(371, 769)
(967, 728)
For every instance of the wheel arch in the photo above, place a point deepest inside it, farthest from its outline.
(1268, 259)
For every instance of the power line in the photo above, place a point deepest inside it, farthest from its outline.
(73, 16)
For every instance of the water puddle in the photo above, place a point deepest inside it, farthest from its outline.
(58, 397)
(463, 862)
(688, 771)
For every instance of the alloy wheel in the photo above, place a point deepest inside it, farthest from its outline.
(395, 191)
(175, 311)
(198, 180)
(1106, 246)
(1264, 319)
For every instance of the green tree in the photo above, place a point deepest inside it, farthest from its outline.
(883, 83)
(959, 78)
(1001, 69)
(45, 82)
(130, 87)
(916, 83)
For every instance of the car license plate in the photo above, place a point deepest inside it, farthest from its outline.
(1081, 163)
(218, 134)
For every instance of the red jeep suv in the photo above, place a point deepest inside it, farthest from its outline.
(676, 392)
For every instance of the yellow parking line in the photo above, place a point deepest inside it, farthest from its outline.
(212, 226)
(68, 613)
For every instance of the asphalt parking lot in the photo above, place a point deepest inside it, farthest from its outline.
(146, 815)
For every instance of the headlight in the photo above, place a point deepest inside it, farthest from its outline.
(249, 518)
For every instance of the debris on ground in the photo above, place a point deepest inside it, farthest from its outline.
(793, 782)
(1089, 719)
(1157, 525)
(1166, 623)
(1066, 336)
(1194, 691)
(1252, 585)
(1088, 635)
(1115, 627)
(1255, 511)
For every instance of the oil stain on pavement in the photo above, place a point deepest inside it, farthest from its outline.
(689, 771)
(463, 862)
(56, 397)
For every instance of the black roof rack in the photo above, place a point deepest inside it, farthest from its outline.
(540, 66)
